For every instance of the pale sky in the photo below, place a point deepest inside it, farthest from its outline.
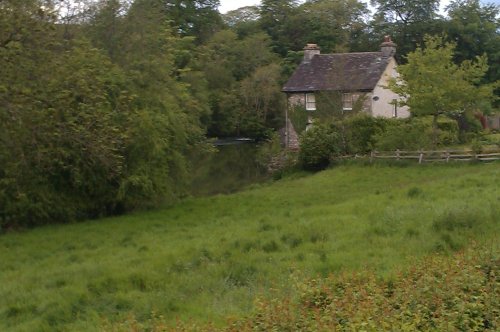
(227, 5)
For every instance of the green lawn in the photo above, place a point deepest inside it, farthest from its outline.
(208, 258)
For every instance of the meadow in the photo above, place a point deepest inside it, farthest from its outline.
(209, 258)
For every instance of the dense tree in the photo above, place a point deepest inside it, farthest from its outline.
(407, 21)
(81, 136)
(276, 20)
(335, 25)
(61, 143)
(105, 26)
(262, 98)
(244, 20)
(431, 84)
(228, 61)
(198, 18)
(475, 30)
(407, 11)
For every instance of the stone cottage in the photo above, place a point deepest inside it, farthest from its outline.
(358, 78)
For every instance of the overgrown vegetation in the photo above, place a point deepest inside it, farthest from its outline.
(210, 258)
(361, 134)
(84, 133)
(102, 102)
(432, 84)
(457, 293)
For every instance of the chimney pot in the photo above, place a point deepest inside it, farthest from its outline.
(388, 47)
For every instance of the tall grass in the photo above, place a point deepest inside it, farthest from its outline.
(209, 258)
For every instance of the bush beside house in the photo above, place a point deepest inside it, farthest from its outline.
(360, 134)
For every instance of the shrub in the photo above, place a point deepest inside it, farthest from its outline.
(317, 146)
(468, 123)
(416, 133)
(440, 293)
(448, 131)
(361, 131)
(404, 134)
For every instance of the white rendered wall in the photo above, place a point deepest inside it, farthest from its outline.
(383, 107)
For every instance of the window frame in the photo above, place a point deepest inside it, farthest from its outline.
(308, 102)
(347, 97)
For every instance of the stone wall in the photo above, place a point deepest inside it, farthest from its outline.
(297, 99)
(289, 137)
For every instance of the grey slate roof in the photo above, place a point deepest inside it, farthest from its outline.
(338, 72)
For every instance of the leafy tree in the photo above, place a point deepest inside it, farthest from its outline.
(407, 21)
(231, 66)
(407, 11)
(431, 84)
(63, 133)
(198, 18)
(83, 136)
(244, 20)
(262, 98)
(276, 20)
(333, 24)
(475, 30)
(106, 26)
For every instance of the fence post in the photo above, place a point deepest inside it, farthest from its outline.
(421, 157)
(447, 156)
(372, 155)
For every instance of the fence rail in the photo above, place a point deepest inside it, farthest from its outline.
(423, 156)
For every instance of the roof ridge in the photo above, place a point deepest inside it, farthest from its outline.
(348, 53)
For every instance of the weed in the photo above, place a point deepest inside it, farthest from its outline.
(292, 240)
(265, 227)
(414, 192)
(318, 236)
(240, 275)
(271, 246)
(457, 219)
(412, 233)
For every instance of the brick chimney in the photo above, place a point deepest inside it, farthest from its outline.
(310, 51)
(388, 47)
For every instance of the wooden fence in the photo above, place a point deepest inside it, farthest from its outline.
(423, 156)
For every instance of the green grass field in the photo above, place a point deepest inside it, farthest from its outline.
(209, 258)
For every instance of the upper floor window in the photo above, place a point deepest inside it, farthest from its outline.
(310, 102)
(347, 101)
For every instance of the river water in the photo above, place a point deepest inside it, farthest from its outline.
(232, 167)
